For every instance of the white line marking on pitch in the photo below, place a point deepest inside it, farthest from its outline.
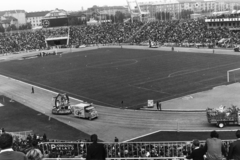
(106, 104)
(203, 69)
(39, 87)
(181, 72)
(178, 131)
(103, 65)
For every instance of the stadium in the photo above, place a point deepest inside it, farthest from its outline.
(153, 86)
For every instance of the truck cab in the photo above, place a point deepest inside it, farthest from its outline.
(84, 110)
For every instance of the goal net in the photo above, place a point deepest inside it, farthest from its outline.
(233, 75)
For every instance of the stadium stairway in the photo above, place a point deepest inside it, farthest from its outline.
(126, 20)
(134, 34)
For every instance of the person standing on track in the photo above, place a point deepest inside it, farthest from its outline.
(159, 105)
(32, 90)
(116, 139)
(150, 43)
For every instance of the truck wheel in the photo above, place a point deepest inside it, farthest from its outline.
(220, 125)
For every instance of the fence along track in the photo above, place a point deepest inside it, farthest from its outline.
(128, 150)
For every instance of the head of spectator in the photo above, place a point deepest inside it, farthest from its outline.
(34, 154)
(214, 134)
(196, 143)
(35, 143)
(238, 133)
(6, 141)
(94, 138)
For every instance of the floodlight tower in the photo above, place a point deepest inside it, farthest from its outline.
(136, 12)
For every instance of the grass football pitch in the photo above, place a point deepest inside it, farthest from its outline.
(111, 76)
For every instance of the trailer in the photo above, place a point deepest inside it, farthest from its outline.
(61, 105)
(223, 116)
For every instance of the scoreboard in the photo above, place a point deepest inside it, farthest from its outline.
(57, 22)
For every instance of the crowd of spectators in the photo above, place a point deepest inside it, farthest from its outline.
(187, 31)
(106, 33)
(52, 33)
(176, 31)
(28, 40)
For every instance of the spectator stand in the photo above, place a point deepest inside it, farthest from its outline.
(22, 135)
(57, 37)
(185, 33)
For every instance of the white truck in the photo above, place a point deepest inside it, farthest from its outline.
(84, 110)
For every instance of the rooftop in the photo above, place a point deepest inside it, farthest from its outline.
(37, 14)
(57, 12)
(10, 18)
(14, 11)
(2, 13)
(109, 7)
(7, 21)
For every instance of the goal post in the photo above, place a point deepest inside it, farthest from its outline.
(233, 75)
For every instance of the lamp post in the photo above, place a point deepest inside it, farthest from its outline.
(165, 14)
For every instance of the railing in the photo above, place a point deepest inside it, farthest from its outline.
(128, 150)
(135, 158)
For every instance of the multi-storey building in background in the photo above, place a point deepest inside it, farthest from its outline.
(35, 18)
(108, 10)
(20, 15)
(197, 6)
(12, 17)
(8, 21)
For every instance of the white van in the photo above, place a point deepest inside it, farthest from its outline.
(84, 110)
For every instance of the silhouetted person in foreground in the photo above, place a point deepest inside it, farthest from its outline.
(96, 151)
(214, 147)
(234, 151)
(7, 153)
(198, 152)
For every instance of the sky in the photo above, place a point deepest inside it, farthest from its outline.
(68, 5)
